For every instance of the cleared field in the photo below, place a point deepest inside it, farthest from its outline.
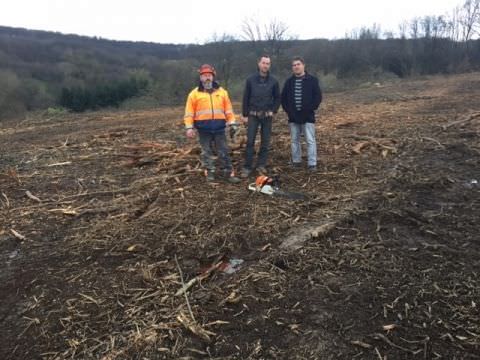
(104, 216)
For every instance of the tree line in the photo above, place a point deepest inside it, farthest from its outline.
(102, 95)
(40, 69)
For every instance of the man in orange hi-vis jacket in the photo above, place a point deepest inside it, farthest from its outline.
(208, 112)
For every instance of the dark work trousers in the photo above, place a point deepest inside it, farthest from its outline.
(219, 140)
(265, 125)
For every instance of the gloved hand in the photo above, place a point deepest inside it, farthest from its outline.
(233, 131)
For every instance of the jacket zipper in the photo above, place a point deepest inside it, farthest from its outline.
(211, 106)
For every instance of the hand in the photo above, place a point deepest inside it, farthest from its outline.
(233, 131)
(245, 119)
(269, 114)
(190, 133)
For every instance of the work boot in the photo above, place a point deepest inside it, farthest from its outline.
(245, 173)
(210, 175)
(231, 178)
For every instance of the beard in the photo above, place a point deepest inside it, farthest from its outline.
(207, 84)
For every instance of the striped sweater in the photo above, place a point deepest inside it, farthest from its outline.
(298, 93)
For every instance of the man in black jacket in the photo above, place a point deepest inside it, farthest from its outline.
(301, 97)
(261, 100)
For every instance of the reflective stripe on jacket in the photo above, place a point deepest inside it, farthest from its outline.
(208, 112)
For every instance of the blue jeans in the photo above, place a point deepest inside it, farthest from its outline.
(207, 142)
(308, 130)
(265, 125)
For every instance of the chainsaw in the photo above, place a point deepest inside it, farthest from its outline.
(271, 186)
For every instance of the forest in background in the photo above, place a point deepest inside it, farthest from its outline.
(40, 70)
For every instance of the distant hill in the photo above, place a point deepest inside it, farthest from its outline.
(36, 65)
(38, 68)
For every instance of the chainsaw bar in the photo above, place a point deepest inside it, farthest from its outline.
(273, 191)
(290, 195)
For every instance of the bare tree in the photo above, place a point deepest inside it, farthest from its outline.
(439, 27)
(470, 19)
(370, 32)
(414, 28)
(402, 29)
(453, 25)
(275, 30)
(271, 35)
(221, 38)
(251, 30)
(353, 35)
(426, 25)
(275, 34)
(222, 48)
(388, 34)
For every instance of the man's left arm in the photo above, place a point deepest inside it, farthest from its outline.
(230, 116)
(317, 94)
(228, 109)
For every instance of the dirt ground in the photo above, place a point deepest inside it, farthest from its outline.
(105, 215)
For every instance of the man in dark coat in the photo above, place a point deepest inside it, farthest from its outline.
(301, 97)
(261, 101)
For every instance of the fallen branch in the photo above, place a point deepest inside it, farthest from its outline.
(378, 336)
(18, 235)
(195, 328)
(299, 236)
(33, 197)
(369, 140)
(462, 121)
(67, 211)
(100, 210)
(151, 145)
(200, 277)
(6, 199)
(108, 192)
(433, 140)
(361, 344)
(357, 149)
(60, 164)
(183, 283)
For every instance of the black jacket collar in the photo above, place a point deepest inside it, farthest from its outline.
(305, 76)
(259, 76)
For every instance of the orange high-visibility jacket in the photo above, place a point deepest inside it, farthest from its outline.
(208, 112)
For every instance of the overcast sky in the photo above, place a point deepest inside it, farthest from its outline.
(187, 21)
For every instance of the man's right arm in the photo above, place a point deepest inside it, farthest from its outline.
(189, 112)
(188, 117)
